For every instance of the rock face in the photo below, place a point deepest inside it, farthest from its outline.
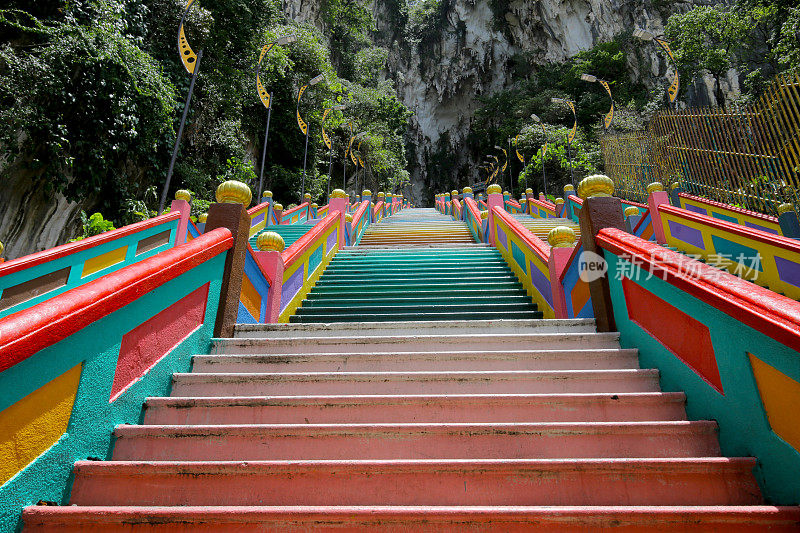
(32, 220)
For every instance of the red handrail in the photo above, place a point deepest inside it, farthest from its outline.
(357, 217)
(45, 256)
(775, 315)
(292, 210)
(28, 331)
(536, 244)
(729, 207)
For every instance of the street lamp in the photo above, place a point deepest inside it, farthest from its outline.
(571, 135)
(328, 142)
(672, 91)
(536, 119)
(610, 115)
(191, 62)
(266, 99)
(303, 126)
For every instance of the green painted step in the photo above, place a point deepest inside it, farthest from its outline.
(290, 233)
(396, 300)
(401, 317)
(413, 287)
(360, 292)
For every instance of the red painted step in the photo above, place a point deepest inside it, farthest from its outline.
(659, 519)
(706, 481)
(416, 441)
(399, 361)
(483, 382)
(364, 409)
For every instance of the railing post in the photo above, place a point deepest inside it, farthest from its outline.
(182, 204)
(465, 193)
(632, 218)
(266, 196)
(495, 199)
(338, 202)
(528, 198)
(269, 258)
(674, 193)
(655, 197)
(562, 245)
(559, 207)
(278, 210)
(787, 219)
(230, 212)
(600, 210)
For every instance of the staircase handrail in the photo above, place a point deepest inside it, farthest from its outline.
(360, 222)
(744, 217)
(474, 219)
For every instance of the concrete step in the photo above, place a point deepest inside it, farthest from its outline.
(389, 329)
(364, 409)
(506, 519)
(418, 343)
(479, 360)
(664, 439)
(700, 481)
(463, 382)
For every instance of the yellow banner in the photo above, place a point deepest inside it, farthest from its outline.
(188, 57)
(610, 115)
(505, 163)
(516, 147)
(574, 129)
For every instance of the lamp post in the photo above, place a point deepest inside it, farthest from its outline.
(536, 119)
(266, 99)
(571, 135)
(610, 115)
(329, 143)
(520, 157)
(303, 126)
(191, 62)
(505, 164)
(672, 90)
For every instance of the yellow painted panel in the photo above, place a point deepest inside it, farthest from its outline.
(36, 422)
(106, 260)
(250, 298)
(780, 395)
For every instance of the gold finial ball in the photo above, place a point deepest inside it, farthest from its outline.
(674, 186)
(315, 206)
(366, 192)
(484, 215)
(307, 198)
(183, 194)
(654, 187)
(506, 193)
(561, 237)
(494, 189)
(277, 207)
(348, 217)
(266, 194)
(234, 192)
(569, 188)
(202, 218)
(630, 211)
(381, 195)
(467, 190)
(783, 208)
(559, 201)
(528, 191)
(338, 193)
(454, 193)
(269, 241)
(597, 185)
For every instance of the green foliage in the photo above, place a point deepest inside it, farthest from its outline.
(93, 225)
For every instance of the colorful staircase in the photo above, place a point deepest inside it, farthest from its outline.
(430, 426)
(289, 232)
(406, 272)
(542, 226)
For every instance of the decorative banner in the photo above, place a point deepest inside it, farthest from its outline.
(571, 136)
(516, 147)
(325, 138)
(676, 82)
(505, 163)
(300, 121)
(188, 57)
(361, 161)
(266, 98)
(610, 115)
(353, 158)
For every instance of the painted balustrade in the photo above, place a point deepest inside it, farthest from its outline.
(77, 365)
(730, 345)
(296, 214)
(359, 224)
(455, 209)
(378, 211)
(729, 213)
(541, 209)
(38, 277)
(472, 217)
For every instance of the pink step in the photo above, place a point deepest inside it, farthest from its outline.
(707, 481)
(578, 519)
(481, 382)
(419, 343)
(485, 408)
(421, 361)
(416, 441)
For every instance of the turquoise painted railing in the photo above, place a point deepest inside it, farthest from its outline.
(296, 214)
(74, 367)
(731, 346)
(41, 276)
(473, 219)
(361, 220)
